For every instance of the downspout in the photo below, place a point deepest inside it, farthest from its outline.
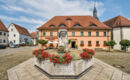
(121, 34)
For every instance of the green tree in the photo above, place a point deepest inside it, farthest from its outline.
(42, 42)
(111, 44)
(125, 44)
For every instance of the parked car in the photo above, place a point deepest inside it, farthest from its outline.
(2, 46)
(11, 45)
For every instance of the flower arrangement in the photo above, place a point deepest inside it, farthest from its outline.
(65, 59)
(87, 54)
(41, 54)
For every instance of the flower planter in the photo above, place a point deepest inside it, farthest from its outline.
(74, 68)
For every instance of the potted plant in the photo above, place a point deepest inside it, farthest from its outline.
(110, 44)
(125, 44)
(43, 42)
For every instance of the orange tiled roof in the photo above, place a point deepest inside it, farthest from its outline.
(34, 35)
(118, 21)
(22, 30)
(84, 21)
(2, 27)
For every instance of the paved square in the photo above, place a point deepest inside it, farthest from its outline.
(100, 71)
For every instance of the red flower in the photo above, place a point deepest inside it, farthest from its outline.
(85, 55)
(42, 59)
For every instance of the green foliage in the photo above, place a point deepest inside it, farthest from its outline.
(110, 43)
(69, 41)
(43, 42)
(125, 44)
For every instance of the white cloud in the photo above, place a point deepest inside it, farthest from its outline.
(47, 9)
(50, 8)
(22, 19)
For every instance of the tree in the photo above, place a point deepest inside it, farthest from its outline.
(111, 44)
(125, 44)
(42, 42)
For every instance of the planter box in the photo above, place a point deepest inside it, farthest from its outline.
(75, 68)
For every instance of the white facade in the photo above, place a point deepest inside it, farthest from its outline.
(120, 34)
(34, 41)
(3, 37)
(15, 37)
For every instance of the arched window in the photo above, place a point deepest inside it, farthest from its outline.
(77, 25)
(62, 25)
(68, 19)
(52, 25)
(93, 25)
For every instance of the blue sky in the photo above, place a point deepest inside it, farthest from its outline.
(33, 13)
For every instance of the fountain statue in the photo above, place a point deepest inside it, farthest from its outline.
(63, 39)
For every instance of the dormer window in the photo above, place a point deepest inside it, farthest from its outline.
(77, 25)
(68, 19)
(93, 25)
(62, 25)
(52, 25)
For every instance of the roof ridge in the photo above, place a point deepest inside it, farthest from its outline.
(117, 21)
(21, 30)
(3, 27)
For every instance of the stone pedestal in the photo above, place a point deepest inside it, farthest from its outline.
(73, 69)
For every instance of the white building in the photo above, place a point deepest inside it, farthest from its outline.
(34, 38)
(120, 29)
(18, 35)
(3, 34)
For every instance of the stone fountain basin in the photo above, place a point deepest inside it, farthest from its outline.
(75, 68)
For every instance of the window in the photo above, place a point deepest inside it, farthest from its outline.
(51, 33)
(4, 34)
(73, 33)
(52, 25)
(89, 33)
(11, 29)
(44, 33)
(89, 42)
(81, 33)
(4, 41)
(105, 34)
(97, 33)
(68, 19)
(93, 25)
(104, 42)
(81, 42)
(14, 41)
(62, 25)
(77, 25)
(97, 42)
(0, 33)
(14, 35)
(0, 40)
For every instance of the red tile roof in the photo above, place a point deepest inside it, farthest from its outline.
(2, 27)
(34, 35)
(70, 21)
(22, 30)
(118, 21)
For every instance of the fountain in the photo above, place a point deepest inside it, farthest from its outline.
(72, 70)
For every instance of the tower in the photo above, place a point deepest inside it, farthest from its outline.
(95, 12)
